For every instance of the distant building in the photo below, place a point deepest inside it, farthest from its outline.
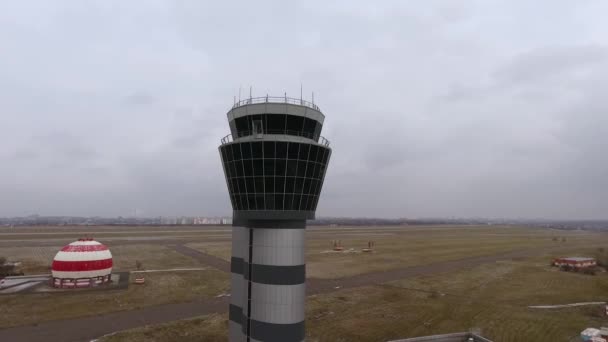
(578, 262)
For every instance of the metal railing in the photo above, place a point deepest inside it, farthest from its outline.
(228, 138)
(276, 99)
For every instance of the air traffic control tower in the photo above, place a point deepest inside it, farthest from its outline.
(274, 161)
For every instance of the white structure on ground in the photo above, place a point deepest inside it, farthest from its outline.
(82, 263)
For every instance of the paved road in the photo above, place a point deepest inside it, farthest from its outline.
(85, 329)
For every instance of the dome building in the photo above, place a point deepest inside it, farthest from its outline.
(82, 263)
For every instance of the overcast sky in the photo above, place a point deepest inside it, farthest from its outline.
(433, 108)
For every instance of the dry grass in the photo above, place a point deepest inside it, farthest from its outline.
(160, 288)
(493, 298)
(404, 246)
(35, 260)
(210, 328)
(424, 246)
(219, 249)
(152, 257)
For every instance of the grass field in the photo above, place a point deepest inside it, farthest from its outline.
(399, 247)
(160, 288)
(493, 298)
(211, 328)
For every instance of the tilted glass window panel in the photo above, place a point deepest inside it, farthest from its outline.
(251, 202)
(278, 201)
(241, 124)
(223, 153)
(235, 185)
(249, 184)
(276, 123)
(317, 170)
(293, 150)
(232, 201)
(294, 124)
(241, 184)
(314, 150)
(243, 201)
(281, 150)
(259, 200)
(248, 166)
(259, 184)
(304, 202)
(227, 169)
(235, 202)
(288, 202)
(296, 202)
(326, 156)
(289, 184)
(269, 184)
(258, 167)
(306, 189)
(269, 201)
(279, 184)
(238, 165)
(321, 170)
(229, 153)
(269, 167)
(315, 186)
(312, 200)
(299, 185)
(322, 151)
(279, 167)
(318, 128)
(310, 168)
(269, 149)
(232, 167)
(239, 202)
(304, 148)
(252, 118)
(246, 150)
(301, 170)
(309, 127)
(236, 151)
(292, 168)
(257, 150)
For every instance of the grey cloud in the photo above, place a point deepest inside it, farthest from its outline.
(139, 98)
(447, 109)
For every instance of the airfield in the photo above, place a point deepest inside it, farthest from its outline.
(419, 280)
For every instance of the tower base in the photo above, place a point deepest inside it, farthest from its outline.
(268, 281)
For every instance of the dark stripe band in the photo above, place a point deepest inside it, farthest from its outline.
(272, 332)
(277, 275)
(236, 265)
(235, 314)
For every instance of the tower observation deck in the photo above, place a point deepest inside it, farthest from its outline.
(274, 161)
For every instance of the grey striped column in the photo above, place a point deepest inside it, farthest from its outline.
(237, 296)
(276, 285)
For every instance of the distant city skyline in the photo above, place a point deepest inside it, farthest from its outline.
(441, 109)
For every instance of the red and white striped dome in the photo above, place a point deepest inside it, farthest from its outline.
(85, 258)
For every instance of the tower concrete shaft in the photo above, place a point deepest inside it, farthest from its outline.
(274, 162)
